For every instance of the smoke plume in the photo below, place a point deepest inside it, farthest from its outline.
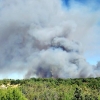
(41, 38)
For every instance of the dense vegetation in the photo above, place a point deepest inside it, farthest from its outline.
(11, 94)
(51, 89)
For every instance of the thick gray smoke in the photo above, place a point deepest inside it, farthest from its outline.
(38, 39)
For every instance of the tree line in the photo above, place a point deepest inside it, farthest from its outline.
(51, 89)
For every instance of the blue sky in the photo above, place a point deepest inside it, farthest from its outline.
(92, 55)
(81, 1)
(95, 3)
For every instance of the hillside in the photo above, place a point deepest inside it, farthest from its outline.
(50, 89)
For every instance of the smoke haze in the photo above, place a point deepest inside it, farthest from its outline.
(42, 38)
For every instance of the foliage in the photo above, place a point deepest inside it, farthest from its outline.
(11, 94)
(51, 89)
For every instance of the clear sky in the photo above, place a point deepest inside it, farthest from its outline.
(30, 28)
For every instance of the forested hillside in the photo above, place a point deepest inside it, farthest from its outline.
(50, 89)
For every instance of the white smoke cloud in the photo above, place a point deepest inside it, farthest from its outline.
(39, 38)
